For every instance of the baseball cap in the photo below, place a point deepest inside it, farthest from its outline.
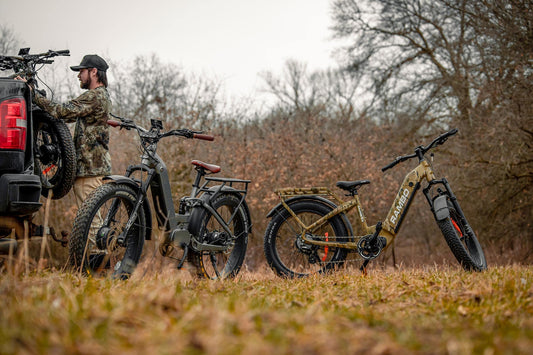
(91, 61)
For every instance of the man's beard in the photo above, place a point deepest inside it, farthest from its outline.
(86, 84)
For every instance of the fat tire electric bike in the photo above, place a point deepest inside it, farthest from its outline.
(309, 231)
(211, 225)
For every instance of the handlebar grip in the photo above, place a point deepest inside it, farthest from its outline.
(113, 123)
(63, 52)
(205, 137)
(390, 165)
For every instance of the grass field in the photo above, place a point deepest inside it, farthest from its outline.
(433, 310)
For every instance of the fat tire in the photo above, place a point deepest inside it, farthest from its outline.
(87, 213)
(53, 150)
(232, 260)
(467, 249)
(280, 222)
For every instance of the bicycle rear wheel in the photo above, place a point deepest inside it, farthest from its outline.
(462, 240)
(94, 246)
(208, 230)
(289, 255)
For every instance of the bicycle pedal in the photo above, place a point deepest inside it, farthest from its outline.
(165, 249)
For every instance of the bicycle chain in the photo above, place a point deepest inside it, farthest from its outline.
(339, 238)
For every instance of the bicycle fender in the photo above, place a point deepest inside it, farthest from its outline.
(440, 208)
(238, 194)
(319, 199)
(120, 179)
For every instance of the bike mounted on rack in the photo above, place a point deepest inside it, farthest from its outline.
(37, 155)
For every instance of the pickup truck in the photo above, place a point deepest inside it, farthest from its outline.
(36, 150)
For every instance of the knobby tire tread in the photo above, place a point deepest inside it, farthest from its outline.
(457, 247)
(82, 222)
(238, 253)
(64, 182)
(279, 219)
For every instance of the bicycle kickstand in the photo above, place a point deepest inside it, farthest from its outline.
(182, 261)
(363, 267)
(370, 248)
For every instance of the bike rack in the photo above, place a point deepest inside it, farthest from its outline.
(286, 193)
(226, 182)
(230, 183)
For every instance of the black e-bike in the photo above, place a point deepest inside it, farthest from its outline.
(211, 225)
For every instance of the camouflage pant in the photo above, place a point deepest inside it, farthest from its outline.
(83, 186)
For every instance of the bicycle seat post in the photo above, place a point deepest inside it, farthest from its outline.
(200, 173)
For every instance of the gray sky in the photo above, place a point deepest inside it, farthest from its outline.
(231, 39)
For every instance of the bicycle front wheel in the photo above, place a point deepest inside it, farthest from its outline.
(462, 240)
(94, 244)
(208, 230)
(289, 255)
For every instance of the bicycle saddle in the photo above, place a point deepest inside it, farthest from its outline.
(352, 186)
(211, 167)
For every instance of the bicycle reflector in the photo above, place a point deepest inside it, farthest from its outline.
(13, 124)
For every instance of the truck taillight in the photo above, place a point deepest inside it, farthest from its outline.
(13, 124)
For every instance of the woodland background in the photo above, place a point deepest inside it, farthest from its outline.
(408, 71)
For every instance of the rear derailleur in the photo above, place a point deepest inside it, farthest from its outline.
(308, 249)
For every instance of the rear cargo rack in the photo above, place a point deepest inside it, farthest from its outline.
(286, 193)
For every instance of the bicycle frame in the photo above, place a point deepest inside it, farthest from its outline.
(175, 224)
(391, 224)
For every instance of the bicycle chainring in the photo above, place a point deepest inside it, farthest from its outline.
(369, 250)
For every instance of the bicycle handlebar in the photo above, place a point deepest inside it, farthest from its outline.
(187, 133)
(12, 62)
(421, 150)
(398, 160)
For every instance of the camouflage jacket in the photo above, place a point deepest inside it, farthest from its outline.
(90, 111)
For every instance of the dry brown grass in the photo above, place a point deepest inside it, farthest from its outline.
(429, 310)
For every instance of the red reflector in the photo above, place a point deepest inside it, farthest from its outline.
(457, 228)
(13, 124)
(324, 257)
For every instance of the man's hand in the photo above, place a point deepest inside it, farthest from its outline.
(24, 80)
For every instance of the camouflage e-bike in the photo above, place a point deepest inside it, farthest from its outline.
(211, 226)
(310, 233)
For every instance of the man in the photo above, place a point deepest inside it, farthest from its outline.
(90, 111)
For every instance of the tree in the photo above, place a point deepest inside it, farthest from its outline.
(408, 51)
(9, 42)
(331, 91)
(147, 88)
(462, 63)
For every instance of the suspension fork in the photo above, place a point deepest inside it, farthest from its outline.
(141, 196)
(444, 182)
